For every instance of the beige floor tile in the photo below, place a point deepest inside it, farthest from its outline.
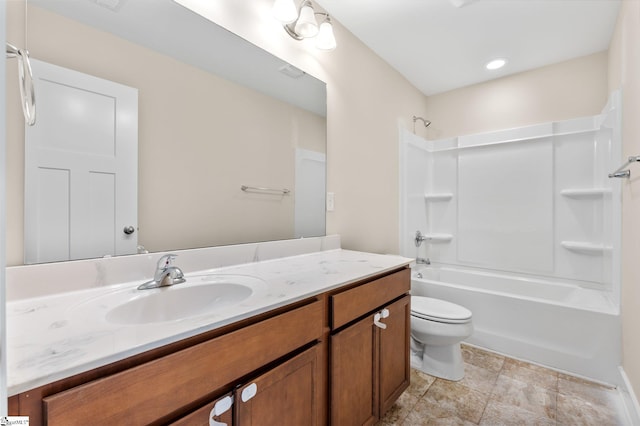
(530, 373)
(576, 411)
(499, 391)
(446, 399)
(483, 359)
(498, 414)
(479, 378)
(420, 382)
(526, 396)
(425, 413)
(586, 390)
(400, 409)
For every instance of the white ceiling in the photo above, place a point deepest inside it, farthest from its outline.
(440, 47)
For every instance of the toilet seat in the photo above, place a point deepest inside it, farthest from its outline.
(439, 310)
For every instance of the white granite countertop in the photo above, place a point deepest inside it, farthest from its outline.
(57, 336)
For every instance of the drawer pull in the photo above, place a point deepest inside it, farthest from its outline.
(249, 392)
(376, 320)
(221, 406)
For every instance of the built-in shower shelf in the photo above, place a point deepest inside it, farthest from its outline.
(585, 248)
(438, 238)
(443, 196)
(585, 192)
(415, 196)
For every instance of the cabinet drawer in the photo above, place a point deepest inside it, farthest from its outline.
(352, 304)
(150, 391)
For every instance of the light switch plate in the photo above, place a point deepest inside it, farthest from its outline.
(330, 201)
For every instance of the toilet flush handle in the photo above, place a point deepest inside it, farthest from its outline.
(376, 321)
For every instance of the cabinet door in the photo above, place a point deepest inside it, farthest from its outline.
(206, 416)
(354, 374)
(287, 395)
(394, 353)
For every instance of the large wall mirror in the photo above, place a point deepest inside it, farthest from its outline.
(214, 113)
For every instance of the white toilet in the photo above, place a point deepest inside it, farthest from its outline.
(437, 328)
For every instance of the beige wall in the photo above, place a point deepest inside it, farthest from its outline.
(192, 161)
(565, 90)
(624, 72)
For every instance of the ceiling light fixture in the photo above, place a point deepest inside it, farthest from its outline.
(496, 64)
(300, 23)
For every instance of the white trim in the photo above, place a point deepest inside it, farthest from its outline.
(629, 398)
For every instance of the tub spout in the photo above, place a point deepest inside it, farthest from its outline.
(423, 261)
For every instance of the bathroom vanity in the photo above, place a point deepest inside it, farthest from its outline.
(333, 349)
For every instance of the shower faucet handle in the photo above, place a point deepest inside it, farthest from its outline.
(420, 238)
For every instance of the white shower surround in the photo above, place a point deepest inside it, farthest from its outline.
(531, 218)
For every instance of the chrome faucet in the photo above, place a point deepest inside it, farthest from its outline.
(165, 275)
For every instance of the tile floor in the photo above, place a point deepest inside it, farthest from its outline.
(497, 390)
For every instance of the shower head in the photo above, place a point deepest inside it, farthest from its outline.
(415, 118)
(426, 122)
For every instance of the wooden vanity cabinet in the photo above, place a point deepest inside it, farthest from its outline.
(369, 366)
(317, 361)
(168, 387)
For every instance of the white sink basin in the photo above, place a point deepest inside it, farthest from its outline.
(199, 295)
(173, 303)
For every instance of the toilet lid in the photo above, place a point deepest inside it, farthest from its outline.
(439, 310)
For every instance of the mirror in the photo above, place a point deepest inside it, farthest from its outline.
(214, 113)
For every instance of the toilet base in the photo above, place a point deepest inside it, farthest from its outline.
(444, 362)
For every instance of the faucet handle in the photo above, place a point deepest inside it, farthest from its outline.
(165, 261)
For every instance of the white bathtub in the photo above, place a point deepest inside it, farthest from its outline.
(560, 325)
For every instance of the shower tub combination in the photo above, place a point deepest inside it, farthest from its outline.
(556, 324)
(522, 227)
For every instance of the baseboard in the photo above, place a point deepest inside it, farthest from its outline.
(629, 398)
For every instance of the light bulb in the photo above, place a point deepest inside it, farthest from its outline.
(496, 64)
(284, 11)
(307, 25)
(325, 40)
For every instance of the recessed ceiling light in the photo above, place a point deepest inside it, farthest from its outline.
(496, 63)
